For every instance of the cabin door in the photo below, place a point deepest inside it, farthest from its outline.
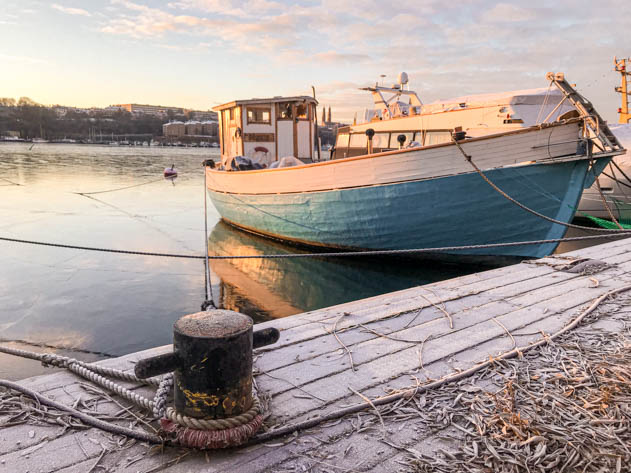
(294, 130)
(303, 131)
(284, 130)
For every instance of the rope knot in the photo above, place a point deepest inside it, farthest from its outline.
(208, 304)
(50, 359)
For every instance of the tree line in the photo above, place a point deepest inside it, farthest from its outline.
(32, 120)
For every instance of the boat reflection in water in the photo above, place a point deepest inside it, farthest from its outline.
(271, 288)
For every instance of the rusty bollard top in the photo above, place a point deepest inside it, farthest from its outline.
(213, 324)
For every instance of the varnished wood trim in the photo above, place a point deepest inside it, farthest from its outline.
(295, 128)
(241, 108)
(311, 132)
(276, 128)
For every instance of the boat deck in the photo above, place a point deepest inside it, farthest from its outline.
(335, 357)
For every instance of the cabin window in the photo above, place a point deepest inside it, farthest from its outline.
(302, 111)
(260, 115)
(342, 140)
(380, 140)
(437, 137)
(285, 111)
(394, 143)
(231, 113)
(358, 140)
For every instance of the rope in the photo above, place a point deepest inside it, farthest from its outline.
(544, 103)
(118, 188)
(93, 373)
(216, 424)
(618, 181)
(621, 171)
(420, 389)
(349, 253)
(522, 206)
(11, 183)
(162, 393)
(208, 285)
(606, 205)
(57, 347)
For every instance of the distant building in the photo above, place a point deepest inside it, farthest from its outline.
(158, 110)
(190, 128)
(210, 128)
(202, 116)
(174, 129)
(193, 128)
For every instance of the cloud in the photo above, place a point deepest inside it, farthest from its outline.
(511, 13)
(449, 48)
(334, 57)
(239, 8)
(70, 10)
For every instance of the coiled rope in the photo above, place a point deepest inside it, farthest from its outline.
(97, 373)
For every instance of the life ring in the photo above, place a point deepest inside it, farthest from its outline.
(238, 132)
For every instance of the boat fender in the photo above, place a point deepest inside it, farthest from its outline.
(370, 133)
(401, 139)
(460, 135)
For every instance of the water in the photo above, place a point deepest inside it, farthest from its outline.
(116, 304)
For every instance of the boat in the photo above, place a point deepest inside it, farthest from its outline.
(611, 195)
(386, 188)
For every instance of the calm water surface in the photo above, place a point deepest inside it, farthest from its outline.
(116, 304)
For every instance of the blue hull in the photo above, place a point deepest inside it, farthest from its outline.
(450, 211)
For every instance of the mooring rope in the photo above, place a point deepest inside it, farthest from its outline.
(96, 374)
(616, 234)
(119, 188)
(469, 159)
(606, 205)
(208, 302)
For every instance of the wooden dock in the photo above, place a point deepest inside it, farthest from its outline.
(335, 357)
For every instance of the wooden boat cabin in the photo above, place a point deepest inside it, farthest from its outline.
(267, 130)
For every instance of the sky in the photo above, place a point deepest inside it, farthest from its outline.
(201, 53)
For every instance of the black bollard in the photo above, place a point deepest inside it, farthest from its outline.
(212, 361)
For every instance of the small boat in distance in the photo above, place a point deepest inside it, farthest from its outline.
(392, 188)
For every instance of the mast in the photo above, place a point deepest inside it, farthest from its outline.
(621, 67)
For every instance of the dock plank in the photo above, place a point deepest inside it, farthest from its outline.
(525, 299)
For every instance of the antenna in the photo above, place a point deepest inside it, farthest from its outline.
(383, 76)
(621, 67)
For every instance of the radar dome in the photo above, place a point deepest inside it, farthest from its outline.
(403, 78)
